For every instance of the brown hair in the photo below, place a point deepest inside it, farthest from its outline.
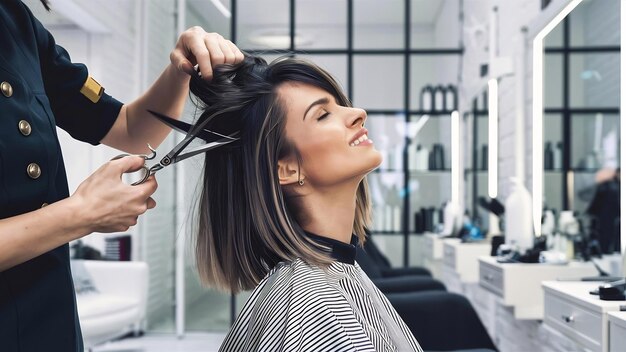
(247, 224)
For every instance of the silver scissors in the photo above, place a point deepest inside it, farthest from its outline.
(213, 139)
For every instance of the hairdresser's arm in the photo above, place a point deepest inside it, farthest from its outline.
(102, 203)
(135, 127)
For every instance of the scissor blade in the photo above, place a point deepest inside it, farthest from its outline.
(204, 148)
(185, 127)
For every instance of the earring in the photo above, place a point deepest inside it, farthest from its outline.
(301, 182)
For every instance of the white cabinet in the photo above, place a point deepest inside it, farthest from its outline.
(462, 258)
(519, 284)
(617, 331)
(433, 253)
(580, 316)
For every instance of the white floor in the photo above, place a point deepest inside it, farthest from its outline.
(191, 342)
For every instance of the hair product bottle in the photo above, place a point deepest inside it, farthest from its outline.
(558, 156)
(518, 218)
(412, 156)
(485, 158)
(548, 157)
(422, 158)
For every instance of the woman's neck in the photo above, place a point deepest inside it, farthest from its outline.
(330, 213)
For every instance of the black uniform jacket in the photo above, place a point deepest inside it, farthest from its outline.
(40, 88)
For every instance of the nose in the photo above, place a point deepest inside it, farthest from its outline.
(357, 117)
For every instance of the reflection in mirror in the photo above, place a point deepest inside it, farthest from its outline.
(576, 135)
(476, 161)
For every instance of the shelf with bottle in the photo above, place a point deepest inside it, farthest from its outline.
(387, 218)
(553, 156)
(421, 159)
(426, 219)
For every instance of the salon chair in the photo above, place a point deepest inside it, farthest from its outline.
(111, 298)
(384, 266)
(396, 280)
(442, 321)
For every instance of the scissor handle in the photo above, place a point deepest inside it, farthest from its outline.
(146, 172)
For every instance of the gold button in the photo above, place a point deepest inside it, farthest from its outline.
(44, 205)
(6, 88)
(33, 170)
(24, 127)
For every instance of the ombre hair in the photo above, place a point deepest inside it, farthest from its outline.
(246, 220)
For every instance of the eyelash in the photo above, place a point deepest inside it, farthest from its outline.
(323, 116)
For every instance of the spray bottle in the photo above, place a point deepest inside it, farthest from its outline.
(518, 218)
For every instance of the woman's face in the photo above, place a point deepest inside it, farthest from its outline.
(330, 138)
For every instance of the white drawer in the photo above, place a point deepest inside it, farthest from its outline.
(491, 278)
(617, 338)
(428, 247)
(578, 323)
(449, 256)
(617, 331)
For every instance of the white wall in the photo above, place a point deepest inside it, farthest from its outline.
(125, 61)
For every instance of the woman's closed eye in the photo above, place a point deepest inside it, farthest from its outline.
(324, 115)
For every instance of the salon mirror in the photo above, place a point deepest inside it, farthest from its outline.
(476, 160)
(576, 125)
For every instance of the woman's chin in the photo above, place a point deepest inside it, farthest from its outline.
(374, 163)
(377, 160)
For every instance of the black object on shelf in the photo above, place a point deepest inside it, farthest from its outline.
(548, 157)
(431, 159)
(440, 214)
(613, 291)
(492, 205)
(485, 157)
(419, 222)
(428, 215)
(441, 157)
(425, 217)
(496, 241)
(83, 251)
(436, 158)
(118, 248)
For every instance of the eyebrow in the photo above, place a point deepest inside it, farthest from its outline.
(317, 102)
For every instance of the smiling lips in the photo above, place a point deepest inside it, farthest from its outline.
(360, 138)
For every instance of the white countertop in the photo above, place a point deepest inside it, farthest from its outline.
(519, 284)
(578, 291)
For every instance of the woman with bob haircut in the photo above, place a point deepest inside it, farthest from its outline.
(283, 208)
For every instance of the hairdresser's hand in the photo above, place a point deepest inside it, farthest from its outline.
(107, 204)
(195, 46)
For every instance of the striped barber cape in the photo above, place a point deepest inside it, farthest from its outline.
(300, 307)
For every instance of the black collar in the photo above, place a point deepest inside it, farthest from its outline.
(342, 252)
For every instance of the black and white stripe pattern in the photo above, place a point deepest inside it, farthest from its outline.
(299, 307)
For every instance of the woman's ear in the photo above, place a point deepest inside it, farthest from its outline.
(288, 172)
